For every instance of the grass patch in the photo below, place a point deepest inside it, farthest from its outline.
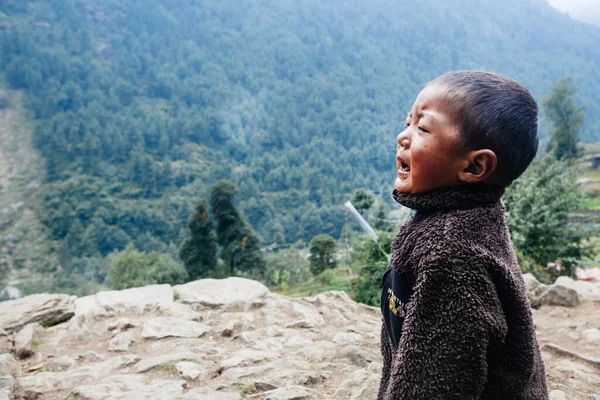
(36, 342)
(244, 389)
(168, 367)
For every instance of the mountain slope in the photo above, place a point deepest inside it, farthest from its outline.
(142, 105)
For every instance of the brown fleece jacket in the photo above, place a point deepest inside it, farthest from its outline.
(468, 332)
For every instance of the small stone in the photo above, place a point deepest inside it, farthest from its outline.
(91, 356)
(122, 324)
(558, 395)
(348, 338)
(190, 370)
(161, 327)
(64, 362)
(7, 387)
(574, 336)
(205, 393)
(230, 328)
(24, 341)
(149, 363)
(291, 392)
(9, 365)
(298, 342)
(560, 312)
(592, 336)
(300, 324)
(120, 342)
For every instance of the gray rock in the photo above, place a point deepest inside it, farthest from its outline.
(24, 340)
(91, 356)
(358, 386)
(246, 357)
(139, 300)
(348, 338)
(130, 387)
(190, 370)
(7, 387)
(318, 352)
(558, 395)
(45, 309)
(359, 355)
(280, 372)
(291, 392)
(149, 363)
(120, 342)
(591, 336)
(558, 295)
(9, 365)
(229, 292)
(208, 394)
(161, 327)
(298, 342)
(586, 291)
(64, 362)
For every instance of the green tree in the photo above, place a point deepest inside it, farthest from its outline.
(199, 251)
(322, 253)
(373, 263)
(362, 200)
(538, 206)
(240, 245)
(566, 117)
(132, 268)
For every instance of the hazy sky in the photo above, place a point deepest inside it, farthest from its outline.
(584, 10)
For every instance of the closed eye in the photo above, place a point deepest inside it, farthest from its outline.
(423, 130)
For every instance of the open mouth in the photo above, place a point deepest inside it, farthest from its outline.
(404, 167)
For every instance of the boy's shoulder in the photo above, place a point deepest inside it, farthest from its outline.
(468, 238)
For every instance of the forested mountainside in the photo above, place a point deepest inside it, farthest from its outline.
(141, 105)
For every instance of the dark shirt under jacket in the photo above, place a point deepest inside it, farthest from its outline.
(397, 289)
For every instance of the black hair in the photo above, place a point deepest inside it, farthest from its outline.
(495, 113)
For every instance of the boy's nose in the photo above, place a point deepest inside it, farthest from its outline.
(403, 140)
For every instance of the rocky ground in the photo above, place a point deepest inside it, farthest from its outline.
(233, 339)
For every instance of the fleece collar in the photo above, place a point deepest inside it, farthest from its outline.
(451, 198)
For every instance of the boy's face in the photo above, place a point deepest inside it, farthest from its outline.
(429, 154)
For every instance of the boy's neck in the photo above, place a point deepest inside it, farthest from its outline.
(451, 198)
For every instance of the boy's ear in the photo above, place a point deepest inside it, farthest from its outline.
(481, 166)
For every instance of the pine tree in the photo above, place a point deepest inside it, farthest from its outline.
(199, 251)
(322, 253)
(241, 247)
(566, 117)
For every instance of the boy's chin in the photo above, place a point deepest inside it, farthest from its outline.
(402, 185)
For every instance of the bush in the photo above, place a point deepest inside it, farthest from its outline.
(132, 268)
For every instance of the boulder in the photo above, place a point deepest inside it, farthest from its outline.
(45, 309)
(229, 292)
(558, 295)
(586, 291)
(161, 327)
(139, 300)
